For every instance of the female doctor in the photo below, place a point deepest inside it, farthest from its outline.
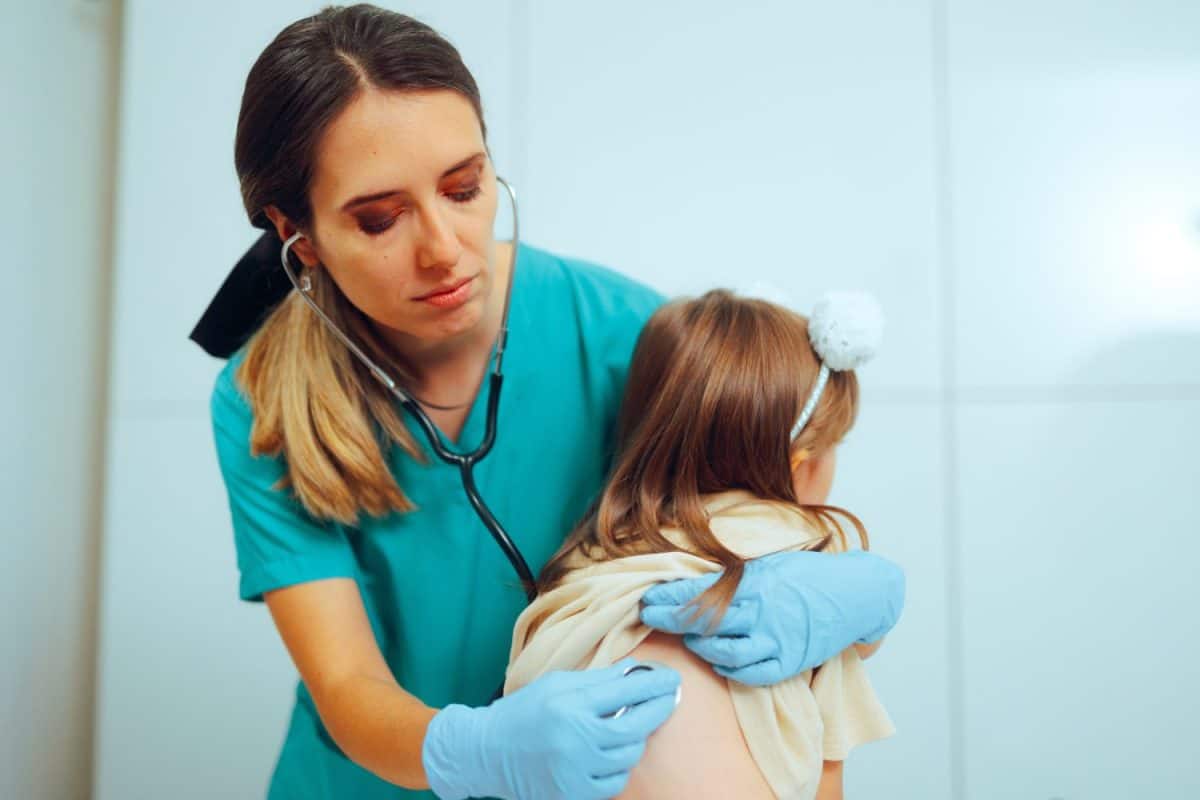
(361, 143)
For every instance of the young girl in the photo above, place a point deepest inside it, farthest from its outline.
(726, 451)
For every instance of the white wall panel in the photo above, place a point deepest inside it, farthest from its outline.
(1079, 597)
(1076, 215)
(195, 686)
(702, 144)
(889, 474)
(57, 89)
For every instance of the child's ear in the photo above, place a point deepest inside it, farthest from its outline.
(799, 457)
(812, 475)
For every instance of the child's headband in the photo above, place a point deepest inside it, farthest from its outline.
(845, 329)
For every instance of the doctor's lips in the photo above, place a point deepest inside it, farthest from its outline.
(454, 294)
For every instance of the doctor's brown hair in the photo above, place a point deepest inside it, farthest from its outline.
(313, 402)
(714, 388)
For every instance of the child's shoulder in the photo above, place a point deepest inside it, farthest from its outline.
(753, 526)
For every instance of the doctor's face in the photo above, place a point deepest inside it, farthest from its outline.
(403, 199)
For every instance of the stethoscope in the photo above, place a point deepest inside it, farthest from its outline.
(464, 461)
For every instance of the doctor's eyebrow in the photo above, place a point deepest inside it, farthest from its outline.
(367, 198)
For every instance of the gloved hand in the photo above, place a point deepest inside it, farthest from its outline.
(551, 739)
(792, 611)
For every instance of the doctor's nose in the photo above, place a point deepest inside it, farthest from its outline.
(437, 246)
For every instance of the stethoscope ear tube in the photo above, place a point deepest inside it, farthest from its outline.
(255, 288)
(464, 461)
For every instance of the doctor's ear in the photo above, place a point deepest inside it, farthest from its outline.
(303, 247)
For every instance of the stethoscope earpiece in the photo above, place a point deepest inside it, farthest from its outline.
(464, 461)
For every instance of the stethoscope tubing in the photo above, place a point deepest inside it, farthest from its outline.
(464, 461)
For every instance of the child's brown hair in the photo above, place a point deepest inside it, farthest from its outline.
(715, 385)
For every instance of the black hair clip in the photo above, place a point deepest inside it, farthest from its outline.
(255, 287)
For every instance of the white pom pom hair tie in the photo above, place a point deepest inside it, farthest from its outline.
(845, 329)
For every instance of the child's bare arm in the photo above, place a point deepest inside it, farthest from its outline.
(830, 787)
(865, 651)
(699, 753)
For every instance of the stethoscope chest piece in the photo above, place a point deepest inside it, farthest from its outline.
(464, 461)
(643, 666)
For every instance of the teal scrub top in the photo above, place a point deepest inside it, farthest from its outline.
(440, 595)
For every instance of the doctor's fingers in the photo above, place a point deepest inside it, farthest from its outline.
(740, 619)
(609, 786)
(764, 673)
(635, 725)
(731, 652)
(629, 690)
(614, 760)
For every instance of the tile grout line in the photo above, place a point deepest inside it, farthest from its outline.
(1075, 394)
(115, 31)
(953, 553)
(518, 86)
(1029, 395)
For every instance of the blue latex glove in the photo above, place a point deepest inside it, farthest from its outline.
(792, 611)
(550, 739)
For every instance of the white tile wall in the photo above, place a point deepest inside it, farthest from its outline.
(195, 686)
(1078, 526)
(890, 475)
(702, 144)
(1074, 161)
(58, 66)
